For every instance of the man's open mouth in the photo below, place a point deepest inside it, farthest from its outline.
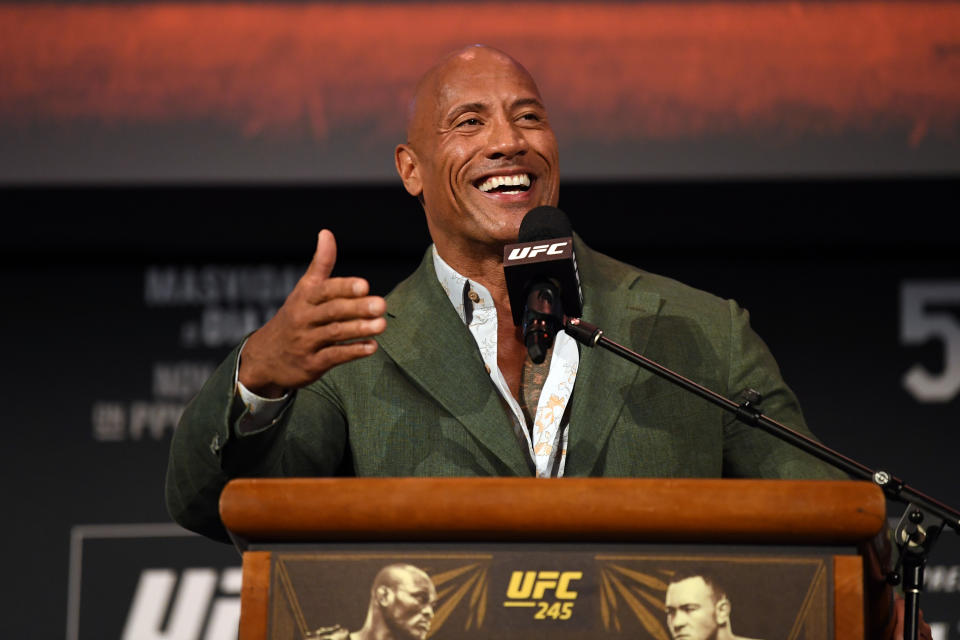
(512, 184)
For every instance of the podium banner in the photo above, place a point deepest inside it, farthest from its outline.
(473, 592)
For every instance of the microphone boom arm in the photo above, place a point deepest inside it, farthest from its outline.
(747, 412)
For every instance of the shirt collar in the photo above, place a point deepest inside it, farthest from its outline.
(466, 297)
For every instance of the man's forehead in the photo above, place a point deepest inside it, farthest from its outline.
(413, 579)
(485, 87)
(471, 76)
(689, 589)
(422, 583)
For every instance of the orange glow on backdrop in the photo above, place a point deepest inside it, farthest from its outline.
(653, 70)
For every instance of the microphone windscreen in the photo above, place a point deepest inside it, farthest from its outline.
(544, 223)
(543, 252)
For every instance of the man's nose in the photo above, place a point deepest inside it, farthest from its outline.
(506, 140)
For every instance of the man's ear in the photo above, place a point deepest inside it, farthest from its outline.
(723, 611)
(408, 166)
(384, 595)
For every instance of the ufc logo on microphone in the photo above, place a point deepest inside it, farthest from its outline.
(555, 249)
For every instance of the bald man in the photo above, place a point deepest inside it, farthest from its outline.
(434, 379)
(477, 119)
(402, 604)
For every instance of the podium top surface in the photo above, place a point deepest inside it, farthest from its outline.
(555, 510)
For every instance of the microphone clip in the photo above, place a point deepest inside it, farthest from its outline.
(542, 319)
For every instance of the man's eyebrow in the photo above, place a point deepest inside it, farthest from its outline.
(466, 108)
(422, 595)
(527, 102)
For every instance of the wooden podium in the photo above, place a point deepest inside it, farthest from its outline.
(832, 520)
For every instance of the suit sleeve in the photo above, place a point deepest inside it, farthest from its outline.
(750, 451)
(307, 439)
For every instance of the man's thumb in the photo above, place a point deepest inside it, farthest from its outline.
(324, 257)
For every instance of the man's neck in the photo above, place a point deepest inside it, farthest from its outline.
(486, 268)
(726, 633)
(482, 264)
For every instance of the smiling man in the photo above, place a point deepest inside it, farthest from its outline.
(434, 379)
(480, 154)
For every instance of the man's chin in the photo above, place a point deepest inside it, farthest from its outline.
(416, 632)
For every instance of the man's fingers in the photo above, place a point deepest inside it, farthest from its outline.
(341, 309)
(324, 257)
(341, 353)
(333, 333)
(318, 292)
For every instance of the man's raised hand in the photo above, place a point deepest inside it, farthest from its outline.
(323, 322)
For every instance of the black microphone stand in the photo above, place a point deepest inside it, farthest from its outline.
(921, 523)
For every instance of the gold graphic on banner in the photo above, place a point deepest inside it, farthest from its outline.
(632, 587)
(471, 579)
(813, 611)
(289, 604)
(530, 589)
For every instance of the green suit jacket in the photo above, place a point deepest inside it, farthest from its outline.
(424, 405)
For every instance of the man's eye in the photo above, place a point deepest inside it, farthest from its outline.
(530, 117)
(469, 122)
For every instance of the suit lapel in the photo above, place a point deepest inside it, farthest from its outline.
(626, 316)
(423, 333)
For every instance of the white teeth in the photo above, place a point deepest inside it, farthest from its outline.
(518, 180)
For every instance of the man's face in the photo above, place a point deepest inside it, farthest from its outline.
(691, 610)
(409, 613)
(485, 153)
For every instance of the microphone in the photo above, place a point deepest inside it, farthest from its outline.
(542, 278)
